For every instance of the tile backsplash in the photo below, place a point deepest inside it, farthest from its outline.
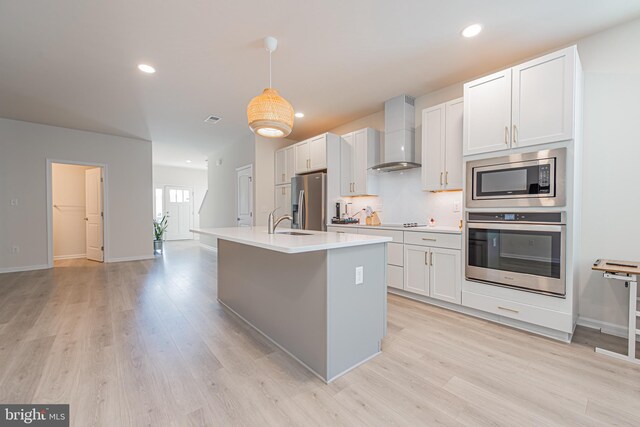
(401, 199)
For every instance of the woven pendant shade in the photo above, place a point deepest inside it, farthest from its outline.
(270, 115)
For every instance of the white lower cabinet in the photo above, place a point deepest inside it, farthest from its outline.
(445, 275)
(433, 272)
(416, 269)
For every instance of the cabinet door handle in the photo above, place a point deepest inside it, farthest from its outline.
(506, 135)
(508, 309)
(515, 134)
(429, 239)
(440, 178)
(446, 177)
(283, 179)
(431, 258)
(426, 255)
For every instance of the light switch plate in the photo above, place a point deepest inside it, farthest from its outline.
(359, 275)
(457, 206)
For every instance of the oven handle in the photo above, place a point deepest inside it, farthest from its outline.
(526, 227)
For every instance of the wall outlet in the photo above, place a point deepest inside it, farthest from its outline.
(457, 206)
(359, 275)
(14, 202)
(15, 249)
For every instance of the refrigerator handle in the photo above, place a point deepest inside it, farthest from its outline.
(301, 209)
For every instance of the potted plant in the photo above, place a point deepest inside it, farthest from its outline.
(159, 227)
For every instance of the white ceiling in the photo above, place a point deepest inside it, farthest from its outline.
(72, 63)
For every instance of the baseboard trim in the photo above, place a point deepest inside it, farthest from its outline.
(25, 268)
(604, 327)
(132, 258)
(209, 247)
(77, 256)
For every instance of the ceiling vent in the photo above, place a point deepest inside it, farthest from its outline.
(212, 119)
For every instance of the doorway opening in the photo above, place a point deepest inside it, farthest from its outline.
(244, 196)
(76, 211)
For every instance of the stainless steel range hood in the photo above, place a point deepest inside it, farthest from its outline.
(399, 135)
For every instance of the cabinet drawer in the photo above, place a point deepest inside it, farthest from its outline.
(341, 229)
(396, 235)
(439, 240)
(395, 254)
(395, 276)
(519, 311)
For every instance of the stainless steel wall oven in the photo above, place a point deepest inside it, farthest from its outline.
(524, 250)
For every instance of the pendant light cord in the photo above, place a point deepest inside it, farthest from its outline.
(270, 69)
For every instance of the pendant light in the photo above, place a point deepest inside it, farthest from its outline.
(269, 114)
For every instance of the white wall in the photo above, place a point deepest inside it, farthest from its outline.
(24, 150)
(68, 196)
(219, 207)
(611, 199)
(183, 177)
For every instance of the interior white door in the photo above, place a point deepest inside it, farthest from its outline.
(178, 203)
(94, 217)
(244, 196)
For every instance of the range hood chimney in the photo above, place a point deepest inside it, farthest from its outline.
(399, 135)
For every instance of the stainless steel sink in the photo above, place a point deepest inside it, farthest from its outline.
(294, 233)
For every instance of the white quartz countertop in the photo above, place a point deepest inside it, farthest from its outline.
(314, 241)
(426, 229)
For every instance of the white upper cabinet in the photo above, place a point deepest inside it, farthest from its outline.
(542, 99)
(290, 164)
(301, 153)
(283, 202)
(280, 167)
(487, 114)
(318, 153)
(442, 146)
(284, 165)
(532, 103)
(346, 164)
(311, 155)
(359, 151)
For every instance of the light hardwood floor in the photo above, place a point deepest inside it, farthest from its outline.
(146, 343)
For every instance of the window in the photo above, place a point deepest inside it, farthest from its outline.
(172, 196)
(186, 196)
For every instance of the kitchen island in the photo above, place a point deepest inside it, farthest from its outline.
(319, 296)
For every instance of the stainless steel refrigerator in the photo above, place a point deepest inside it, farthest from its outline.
(309, 201)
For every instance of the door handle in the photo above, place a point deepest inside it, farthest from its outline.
(429, 239)
(86, 219)
(426, 257)
(283, 177)
(515, 134)
(506, 135)
(440, 178)
(301, 209)
(446, 177)
(431, 258)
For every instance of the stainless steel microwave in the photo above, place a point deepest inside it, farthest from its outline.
(526, 179)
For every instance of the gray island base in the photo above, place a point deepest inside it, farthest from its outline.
(308, 303)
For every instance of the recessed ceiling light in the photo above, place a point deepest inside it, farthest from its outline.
(299, 115)
(472, 30)
(146, 68)
(188, 161)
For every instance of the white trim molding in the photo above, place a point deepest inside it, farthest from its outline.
(604, 327)
(130, 258)
(25, 268)
(76, 256)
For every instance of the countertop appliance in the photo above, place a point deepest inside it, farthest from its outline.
(524, 250)
(398, 151)
(525, 179)
(308, 201)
